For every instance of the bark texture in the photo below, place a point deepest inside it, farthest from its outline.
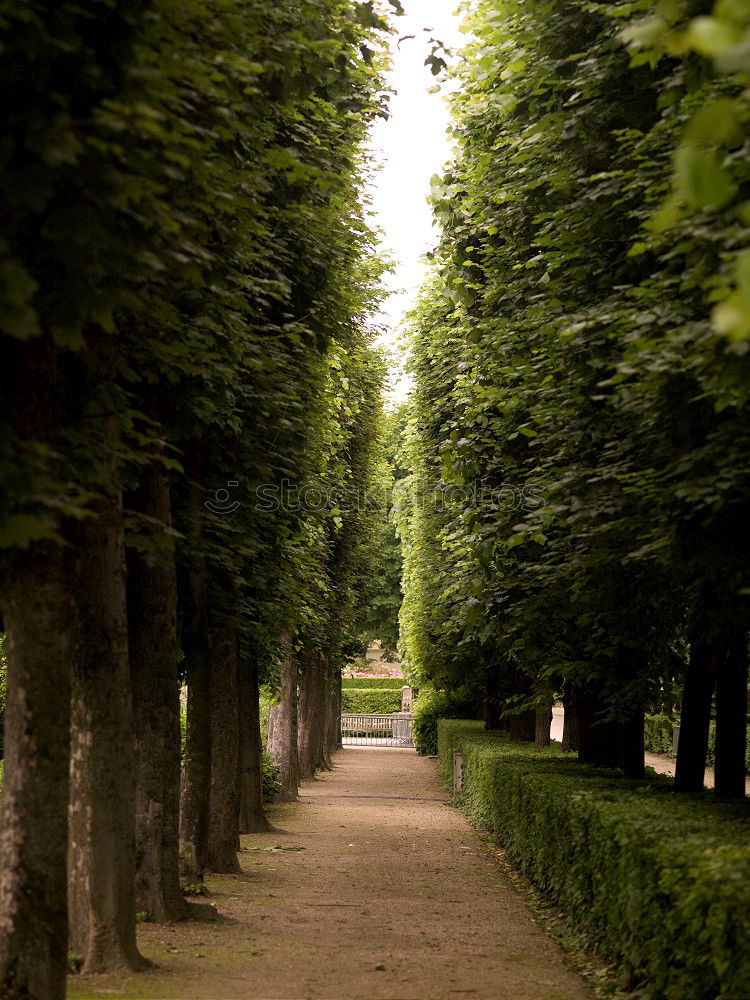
(252, 815)
(339, 707)
(102, 793)
(195, 781)
(224, 812)
(570, 738)
(731, 718)
(310, 714)
(152, 622)
(605, 742)
(595, 743)
(39, 619)
(334, 715)
(631, 745)
(523, 725)
(282, 732)
(695, 717)
(542, 736)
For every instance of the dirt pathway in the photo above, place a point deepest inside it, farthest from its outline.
(391, 896)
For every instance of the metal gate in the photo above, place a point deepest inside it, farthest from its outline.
(392, 730)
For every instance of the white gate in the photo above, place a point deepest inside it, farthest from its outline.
(392, 730)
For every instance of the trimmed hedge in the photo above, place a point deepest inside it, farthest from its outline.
(657, 883)
(429, 707)
(392, 683)
(370, 701)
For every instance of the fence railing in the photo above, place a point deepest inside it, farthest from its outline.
(392, 730)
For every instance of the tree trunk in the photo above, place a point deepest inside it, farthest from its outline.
(309, 721)
(542, 736)
(102, 791)
(631, 745)
(224, 813)
(492, 706)
(695, 718)
(570, 735)
(523, 725)
(339, 707)
(195, 783)
(252, 816)
(596, 744)
(282, 732)
(334, 716)
(39, 619)
(325, 690)
(152, 622)
(731, 718)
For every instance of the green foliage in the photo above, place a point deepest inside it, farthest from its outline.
(658, 733)
(391, 683)
(208, 283)
(429, 708)
(658, 884)
(371, 701)
(271, 777)
(578, 451)
(381, 596)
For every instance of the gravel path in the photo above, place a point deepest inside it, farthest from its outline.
(392, 895)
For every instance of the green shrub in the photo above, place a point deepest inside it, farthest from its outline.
(391, 683)
(271, 776)
(658, 883)
(266, 700)
(371, 701)
(428, 708)
(658, 733)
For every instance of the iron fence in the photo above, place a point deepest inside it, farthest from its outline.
(392, 730)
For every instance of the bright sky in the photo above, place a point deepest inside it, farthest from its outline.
(413, 145)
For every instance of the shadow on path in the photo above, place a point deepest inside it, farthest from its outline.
(371, 887)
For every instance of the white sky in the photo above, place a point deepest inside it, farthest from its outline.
(413, 145)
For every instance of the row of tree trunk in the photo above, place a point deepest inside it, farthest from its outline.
(99, 820)
(303, 726)
(717, 668)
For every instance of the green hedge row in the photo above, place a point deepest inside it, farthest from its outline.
(392, 683)
(657, 883)
(428, 709)
(370, 701)
(658, 738)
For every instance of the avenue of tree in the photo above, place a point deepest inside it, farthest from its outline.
(577, 516)
(186, 278)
